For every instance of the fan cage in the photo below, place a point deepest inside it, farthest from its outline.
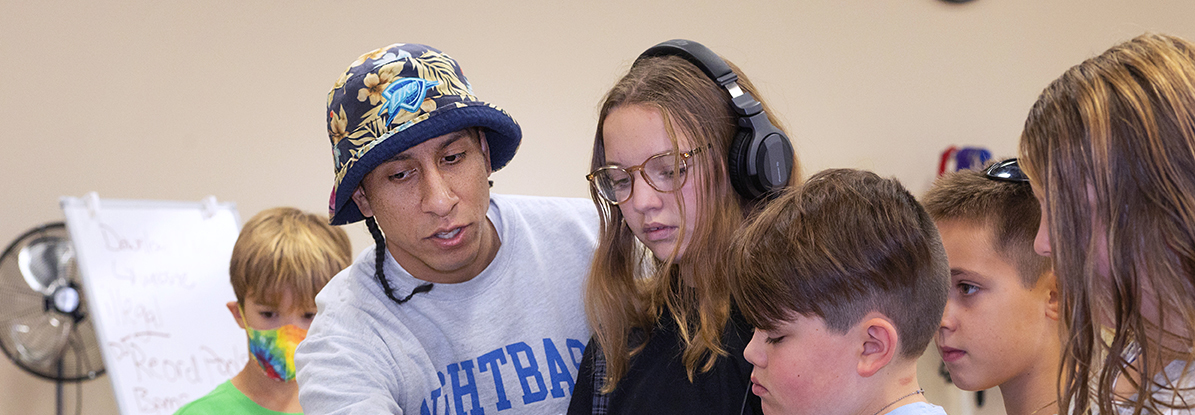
(80, 358)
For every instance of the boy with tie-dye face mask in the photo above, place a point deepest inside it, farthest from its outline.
(282, 258)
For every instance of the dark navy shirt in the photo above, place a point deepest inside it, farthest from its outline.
(656, 381)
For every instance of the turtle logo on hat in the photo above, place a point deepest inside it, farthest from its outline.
(405, 94)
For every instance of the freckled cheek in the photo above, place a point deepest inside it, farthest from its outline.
(995, 338)
(966, 317)
(798, 393)
(794, 379)
(984, 328)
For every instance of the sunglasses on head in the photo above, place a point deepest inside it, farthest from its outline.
(1006, 171)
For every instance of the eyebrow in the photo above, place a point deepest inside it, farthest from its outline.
(266, 305)
(955, 272)
(674, 150)
(453, 138)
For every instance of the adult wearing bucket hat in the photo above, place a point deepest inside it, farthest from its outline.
(468, 301)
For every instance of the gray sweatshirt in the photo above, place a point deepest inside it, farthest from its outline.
(508, 340)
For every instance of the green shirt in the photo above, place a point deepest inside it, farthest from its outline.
(225, 399)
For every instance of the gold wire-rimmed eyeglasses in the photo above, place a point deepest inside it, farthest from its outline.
(665, 172)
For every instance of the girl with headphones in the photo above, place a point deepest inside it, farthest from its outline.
(684, 151)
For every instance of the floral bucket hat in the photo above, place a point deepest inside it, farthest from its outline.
(395, 98)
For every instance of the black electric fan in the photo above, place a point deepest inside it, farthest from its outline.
(45, 327)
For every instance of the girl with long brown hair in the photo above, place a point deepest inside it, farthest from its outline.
(667, 338)
(1109, 148)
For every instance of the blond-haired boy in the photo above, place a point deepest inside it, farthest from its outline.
(281, 259)
(1000, 327)
(844, 279)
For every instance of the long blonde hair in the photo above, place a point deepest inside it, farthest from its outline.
(1110, 146)
(622, 293)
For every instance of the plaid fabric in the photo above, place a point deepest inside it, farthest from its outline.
(600, 401)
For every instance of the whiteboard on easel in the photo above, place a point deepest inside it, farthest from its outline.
(155, 276)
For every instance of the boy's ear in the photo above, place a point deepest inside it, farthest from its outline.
(880, 344)
(1052, 302)
(362, 202)
(236, 313)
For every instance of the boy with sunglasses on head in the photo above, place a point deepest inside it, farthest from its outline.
(1000, 326)
(844, 279)
(281, 259)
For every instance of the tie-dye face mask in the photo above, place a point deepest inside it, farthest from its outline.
(274, 349)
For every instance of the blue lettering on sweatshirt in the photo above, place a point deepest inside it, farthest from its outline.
(490, 362)
(459, 390)
(557, 372)
(463, 392)
(579, 347)
(530, 370)
(435, 395)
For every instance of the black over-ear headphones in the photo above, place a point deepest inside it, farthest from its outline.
(760, 157)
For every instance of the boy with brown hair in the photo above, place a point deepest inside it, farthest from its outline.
(1000, 327)
(844, 279)
(281, 259)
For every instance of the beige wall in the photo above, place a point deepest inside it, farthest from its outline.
(178, 100)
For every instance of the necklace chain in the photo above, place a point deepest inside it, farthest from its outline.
(918, 391)
(1044, 407)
